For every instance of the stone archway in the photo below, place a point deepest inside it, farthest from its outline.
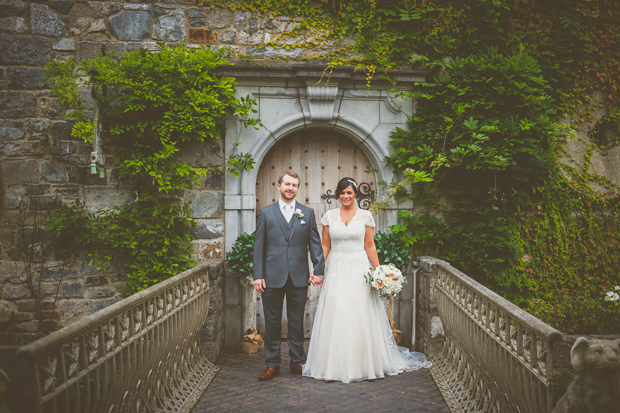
(321, 157)
(364, 116)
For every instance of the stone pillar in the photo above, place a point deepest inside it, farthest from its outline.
(429, 332)
(403, 309)
(212, 336)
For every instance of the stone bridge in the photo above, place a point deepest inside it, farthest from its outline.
(145, 354)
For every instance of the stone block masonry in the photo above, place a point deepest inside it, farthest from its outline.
(42, 163)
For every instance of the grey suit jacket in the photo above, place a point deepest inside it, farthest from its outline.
(277, 255)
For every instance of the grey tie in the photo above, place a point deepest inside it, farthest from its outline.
(289, 227)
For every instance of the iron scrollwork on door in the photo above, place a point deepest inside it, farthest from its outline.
(328, 197)
(365, 195)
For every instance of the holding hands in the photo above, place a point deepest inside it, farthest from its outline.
(316, 280)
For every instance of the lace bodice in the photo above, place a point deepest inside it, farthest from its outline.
(347, 238)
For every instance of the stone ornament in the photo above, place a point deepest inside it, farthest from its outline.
(394, 105)
(596, 386)
(321, 100)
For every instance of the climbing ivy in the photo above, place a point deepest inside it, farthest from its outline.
(156, 102)
(480, 145)
(482, 156)
(576, 43)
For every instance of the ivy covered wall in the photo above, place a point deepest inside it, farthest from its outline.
(571, 49)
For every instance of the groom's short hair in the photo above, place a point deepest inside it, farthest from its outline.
(289, 173)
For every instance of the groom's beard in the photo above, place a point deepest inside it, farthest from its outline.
(287, 196)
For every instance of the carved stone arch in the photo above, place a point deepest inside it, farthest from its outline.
(290, 99)
(375, 149)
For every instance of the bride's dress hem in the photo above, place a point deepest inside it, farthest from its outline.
(368, 378)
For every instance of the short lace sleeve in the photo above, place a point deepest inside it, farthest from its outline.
(369, 221)
(326, 218)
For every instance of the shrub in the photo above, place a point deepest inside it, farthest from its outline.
(240, 259)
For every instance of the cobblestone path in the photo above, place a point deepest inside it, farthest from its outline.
(236, 389)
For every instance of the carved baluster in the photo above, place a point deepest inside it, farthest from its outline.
(169, 299)
(520, 335)
(89, 357)
(122, 328)
(160, 306)
(149, 313)
(177, 296)
(92, 393)
(67, 369)
(192, 288)
(513, 329)
(104, 369)
(49, 374)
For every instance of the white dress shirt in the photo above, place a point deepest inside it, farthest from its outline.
(287, 209)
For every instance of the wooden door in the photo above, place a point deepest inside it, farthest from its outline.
(321, 158)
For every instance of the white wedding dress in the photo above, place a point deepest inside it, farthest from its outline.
(351, 337)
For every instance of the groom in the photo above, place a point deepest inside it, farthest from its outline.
(285, 231)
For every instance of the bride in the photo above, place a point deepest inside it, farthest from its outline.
(352, 339)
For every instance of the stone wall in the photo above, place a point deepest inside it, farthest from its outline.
(41, 162)
(33, 33)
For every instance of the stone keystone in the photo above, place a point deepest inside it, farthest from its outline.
(128, 25)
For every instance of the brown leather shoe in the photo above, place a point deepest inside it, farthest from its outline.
(269, 374)
(297, 370)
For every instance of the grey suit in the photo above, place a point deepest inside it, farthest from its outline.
(281, 259)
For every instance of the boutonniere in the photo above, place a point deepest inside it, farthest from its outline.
(298, 213)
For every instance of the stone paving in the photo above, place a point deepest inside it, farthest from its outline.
(236, 389)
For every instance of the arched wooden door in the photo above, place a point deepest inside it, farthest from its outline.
(321, 158)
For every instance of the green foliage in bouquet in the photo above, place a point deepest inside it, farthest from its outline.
(240, 259)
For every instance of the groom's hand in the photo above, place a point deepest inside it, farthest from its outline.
(259, 285)
(316, 280)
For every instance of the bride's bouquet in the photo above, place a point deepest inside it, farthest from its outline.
(386, 279)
